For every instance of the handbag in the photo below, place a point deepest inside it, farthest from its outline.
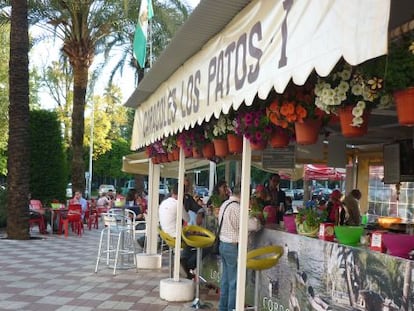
(216, 244)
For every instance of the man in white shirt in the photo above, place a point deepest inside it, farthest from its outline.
(168, 213)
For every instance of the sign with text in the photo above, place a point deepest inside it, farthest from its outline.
(265, 46)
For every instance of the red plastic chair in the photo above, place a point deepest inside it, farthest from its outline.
(37, 207)
(74, 218)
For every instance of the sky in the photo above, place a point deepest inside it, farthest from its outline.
(43, 55)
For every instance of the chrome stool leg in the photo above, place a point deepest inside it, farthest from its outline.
(197, 303)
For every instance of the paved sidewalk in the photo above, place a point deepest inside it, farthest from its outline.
(55, 273)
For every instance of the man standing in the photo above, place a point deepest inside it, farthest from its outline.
(277, 196)
(351, 203)
(229, 236)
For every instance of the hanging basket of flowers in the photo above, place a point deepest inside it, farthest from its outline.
(295, 110)
(399, 76)
(253, 124)
(350, 93)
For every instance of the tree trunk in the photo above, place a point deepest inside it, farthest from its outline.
(80, 73)
(18, 147)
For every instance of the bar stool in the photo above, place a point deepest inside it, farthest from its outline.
(170, 241)
(120, 240)
(199, 237)
(260, 259)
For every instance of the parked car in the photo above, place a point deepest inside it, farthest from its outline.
(201, 191)
(298, 194)
(289, 193)
(106, 188)
(163, 190)
(321, 193)
(69, 192)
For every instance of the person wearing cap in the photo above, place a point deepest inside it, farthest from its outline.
(335, 208)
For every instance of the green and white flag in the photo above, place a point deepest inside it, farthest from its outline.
(146, 12)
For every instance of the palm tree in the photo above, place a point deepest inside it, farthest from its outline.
(86, 28)
(18, 146)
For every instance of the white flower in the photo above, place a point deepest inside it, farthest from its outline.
(357, 121)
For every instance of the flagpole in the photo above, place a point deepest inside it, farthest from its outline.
(150, 40)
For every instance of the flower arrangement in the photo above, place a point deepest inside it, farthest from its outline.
(309, 218)
(295, 105)
(348, 86)
(190, 138)
(155, 149)
(254, 125)
(170, 143)
(222, 126)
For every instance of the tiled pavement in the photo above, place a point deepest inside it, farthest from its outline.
(55, 273)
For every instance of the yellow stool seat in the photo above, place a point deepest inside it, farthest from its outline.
(199, 237)
(167, 238)
(264, 257)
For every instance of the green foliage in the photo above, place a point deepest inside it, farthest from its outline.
(400, 64)
(48, 172)
(110, 163)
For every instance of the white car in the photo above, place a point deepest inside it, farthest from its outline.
(69, 192)
(106, 188)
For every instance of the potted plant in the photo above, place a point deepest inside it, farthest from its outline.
(295, 111)
(399, 77)
(349, 93)
(253, 123)
(309, 218)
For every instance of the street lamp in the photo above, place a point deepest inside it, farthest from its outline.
(91, 151)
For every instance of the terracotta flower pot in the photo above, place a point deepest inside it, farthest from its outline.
(235, 143)
(259, 146)
(176, 154)
(221, 147)
(197, 154)
(346, 116)
(404, 101)
(279, 139)
(188, 152)
(307, 132)
(208, 151)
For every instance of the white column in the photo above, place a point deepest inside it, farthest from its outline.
(244, 215)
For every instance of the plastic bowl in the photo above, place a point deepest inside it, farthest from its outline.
(398, 244)
(348, 235)
(387, 222)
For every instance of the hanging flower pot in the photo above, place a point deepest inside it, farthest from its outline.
(197, 154)
(164, 158)
(188, 152)
(221, 147)
(176, 154)
(346, 118)
(261, 145)
(170, 157)
(279, 139)
(155, 160)
(208, 151)
(404, 101)
(235, 143)
(307, 132)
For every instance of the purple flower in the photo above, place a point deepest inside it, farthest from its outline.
(259, 136)
(248, 118)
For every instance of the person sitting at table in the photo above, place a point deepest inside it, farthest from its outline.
(78, 199)
(103, 202)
